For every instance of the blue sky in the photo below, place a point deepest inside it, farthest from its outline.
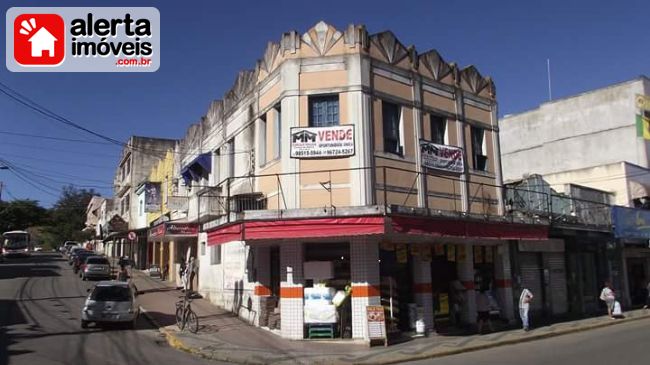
(205, 43)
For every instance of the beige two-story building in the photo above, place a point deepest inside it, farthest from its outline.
(346, 163)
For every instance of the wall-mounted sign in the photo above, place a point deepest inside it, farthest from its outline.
(174, 229)
(177, 203)
(441, 157)
(322, 142)
(152, 197)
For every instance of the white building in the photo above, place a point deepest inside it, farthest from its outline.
(594, 139)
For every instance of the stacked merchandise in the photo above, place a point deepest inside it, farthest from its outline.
(267, 307)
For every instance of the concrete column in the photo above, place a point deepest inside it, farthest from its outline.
(496, 147)
(290, 114)
(423, 291)
(460, 130)
(263, 273)
(364, 262)
(466, 277)
(503, 282)
(359, 105)
(291, 291)
(416, 91)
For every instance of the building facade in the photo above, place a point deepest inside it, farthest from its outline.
(345, 164)
(599, 140)
(137, 158)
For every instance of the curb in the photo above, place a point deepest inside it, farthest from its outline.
(178, 344)
(507, 342)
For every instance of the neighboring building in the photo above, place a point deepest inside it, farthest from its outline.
(598, 139)
(349, 159)
(93, 214)
(566, 271)
(139, 155)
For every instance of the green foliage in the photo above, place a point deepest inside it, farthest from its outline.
(21, 214)
(49, 227)
(68, 216)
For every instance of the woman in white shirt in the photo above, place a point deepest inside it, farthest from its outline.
(607, 295)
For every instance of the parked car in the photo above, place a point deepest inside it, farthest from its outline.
(111, 302)
(79, 260)
(72, 252)
(96, 267)
(67, 246)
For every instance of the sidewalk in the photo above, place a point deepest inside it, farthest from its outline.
(224, 337)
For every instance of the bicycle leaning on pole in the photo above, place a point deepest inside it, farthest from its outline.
(185, 316)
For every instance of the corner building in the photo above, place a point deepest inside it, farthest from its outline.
(352, 161)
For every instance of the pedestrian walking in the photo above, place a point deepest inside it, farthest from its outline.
(123, 275)
(483, 310)
(647, 299)
(524, 305)
(608, 296)
(181, 270)
(165, 272)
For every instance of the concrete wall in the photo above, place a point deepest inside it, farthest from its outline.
(590, 129)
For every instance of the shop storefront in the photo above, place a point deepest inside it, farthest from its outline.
(172, 244)
(307, 278)
(632, 233)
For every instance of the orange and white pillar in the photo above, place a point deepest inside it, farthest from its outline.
(292, 320)
(263, 272)
(364, 263)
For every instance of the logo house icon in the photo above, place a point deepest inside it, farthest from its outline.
(39, 39)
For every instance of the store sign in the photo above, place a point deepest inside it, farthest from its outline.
(177, 203)
(631, 223)
(174, 229)
(182, 229)
(441, 157)
(322, 142)
(157, 231)
(152, 197)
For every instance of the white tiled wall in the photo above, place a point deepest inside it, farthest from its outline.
(364, 258)
(292, 309)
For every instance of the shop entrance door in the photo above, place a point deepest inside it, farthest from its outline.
(396, 288)
(637, 280)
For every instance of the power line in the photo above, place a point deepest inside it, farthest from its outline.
(55, 138)
(41, 148)
(54, 161)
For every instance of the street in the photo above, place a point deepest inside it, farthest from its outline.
(621, 344)
(41, 300)
(40, 305)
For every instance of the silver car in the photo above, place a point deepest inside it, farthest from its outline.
(111, 302)
(96, 267)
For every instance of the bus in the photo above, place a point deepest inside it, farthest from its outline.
(16, 243)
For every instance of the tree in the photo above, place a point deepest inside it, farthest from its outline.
(68, 216)
(21, 214)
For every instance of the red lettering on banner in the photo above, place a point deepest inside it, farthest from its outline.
(335, 135)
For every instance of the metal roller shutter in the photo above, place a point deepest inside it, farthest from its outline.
(557, 281)
(531, 278)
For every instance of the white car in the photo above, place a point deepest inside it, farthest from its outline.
(111, 302)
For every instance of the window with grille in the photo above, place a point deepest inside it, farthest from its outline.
(323, 111)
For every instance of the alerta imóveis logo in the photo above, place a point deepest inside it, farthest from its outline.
(94, 39)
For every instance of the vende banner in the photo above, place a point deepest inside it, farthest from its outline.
(441, 157)
(322, 142)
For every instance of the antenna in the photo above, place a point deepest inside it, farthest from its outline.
(548, 73)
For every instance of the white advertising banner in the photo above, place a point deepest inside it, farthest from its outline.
(441, 157)
(322, 142)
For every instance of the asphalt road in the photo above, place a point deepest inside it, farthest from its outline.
(624, 344)
(40, 306)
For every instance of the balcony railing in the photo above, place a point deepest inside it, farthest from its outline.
(388, 189)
